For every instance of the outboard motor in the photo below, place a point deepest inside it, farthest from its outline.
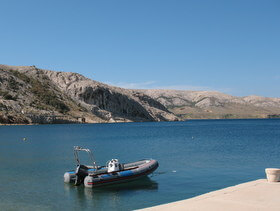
(113, 165)
(81, 172)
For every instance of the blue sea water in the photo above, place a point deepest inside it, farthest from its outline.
(195, 157)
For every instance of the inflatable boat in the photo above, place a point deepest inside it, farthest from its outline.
(113, 172)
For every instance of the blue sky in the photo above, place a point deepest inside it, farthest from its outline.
(229, 46)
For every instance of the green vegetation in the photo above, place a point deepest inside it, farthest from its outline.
(43, 92)
(21, 76)
(7, 96)
(2, 93)
(271, 116)
(229, 116)
(13, 84)
(3, 107)
(47, 96)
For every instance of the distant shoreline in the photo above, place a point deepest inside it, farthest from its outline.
(15, 124)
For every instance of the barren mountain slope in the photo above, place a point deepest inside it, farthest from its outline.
(32, 95)
(209, 104)
(27, 93)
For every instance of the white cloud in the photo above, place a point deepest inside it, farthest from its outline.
(154, 85)
(140, 85)
(186, 87)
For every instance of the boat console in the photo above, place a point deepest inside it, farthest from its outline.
(114, 172)
(113, 165)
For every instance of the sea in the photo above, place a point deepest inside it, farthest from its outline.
(195, 157)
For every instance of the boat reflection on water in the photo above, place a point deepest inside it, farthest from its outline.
(112, 194)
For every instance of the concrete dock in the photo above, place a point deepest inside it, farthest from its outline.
(254, 195)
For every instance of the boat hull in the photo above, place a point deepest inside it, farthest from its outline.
(70, 176)
(131, 172)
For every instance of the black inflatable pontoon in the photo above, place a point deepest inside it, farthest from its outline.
(113, 172)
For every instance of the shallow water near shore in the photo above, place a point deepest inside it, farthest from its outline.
(195, 157)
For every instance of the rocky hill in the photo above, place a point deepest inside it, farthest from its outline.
(215, 105)
(32, 95)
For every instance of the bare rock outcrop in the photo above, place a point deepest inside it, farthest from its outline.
(70, 96)
(29, 94)
(211, 104)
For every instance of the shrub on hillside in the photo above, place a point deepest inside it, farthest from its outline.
(43, 92)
